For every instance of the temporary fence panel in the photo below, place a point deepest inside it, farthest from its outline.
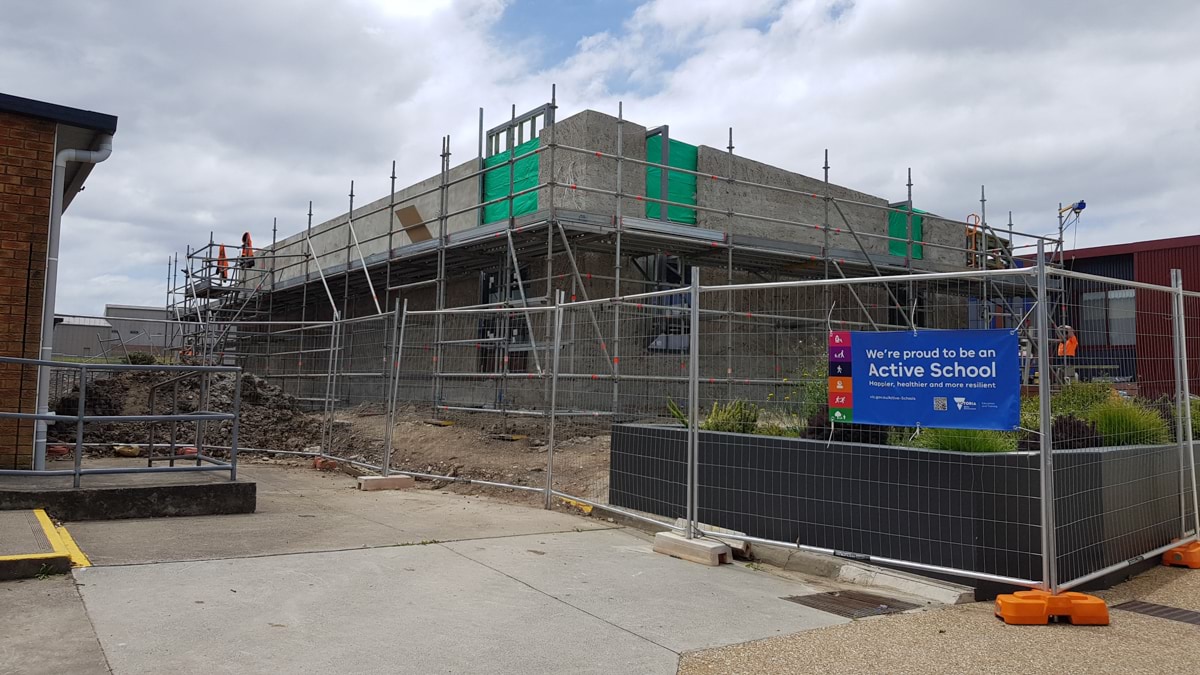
(728, 407)
(624, 363)
(782, 458)
(1124, 469)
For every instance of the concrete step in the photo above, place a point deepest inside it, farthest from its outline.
(31, 546)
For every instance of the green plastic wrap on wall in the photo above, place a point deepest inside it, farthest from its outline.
(898, 230)
(496, 185)
(681, 187)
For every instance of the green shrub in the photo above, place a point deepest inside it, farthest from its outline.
(1122, 423)
(1077, 398)
(778, 430)
(1067, 433)
(1072, 400)
(965, 440)
(801, 395)
(139, 359)
(1031, 413)
(735, 416)
(677, 412)
(1195, 419)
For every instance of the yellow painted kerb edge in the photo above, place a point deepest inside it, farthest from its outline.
(60, 541)
(78, 558)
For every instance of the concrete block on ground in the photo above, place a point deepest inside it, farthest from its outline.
(737, 546)
(704, 551)
(397, 482)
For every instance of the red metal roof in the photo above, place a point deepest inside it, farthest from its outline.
(1133, 247)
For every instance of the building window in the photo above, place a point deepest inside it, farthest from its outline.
(669, 328)
(503, 336)
(1108, 318)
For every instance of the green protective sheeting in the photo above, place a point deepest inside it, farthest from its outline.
(898, 230)
(681, 187)
(496, 182)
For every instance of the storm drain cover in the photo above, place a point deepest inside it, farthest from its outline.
(852, 604)
(1161, 611)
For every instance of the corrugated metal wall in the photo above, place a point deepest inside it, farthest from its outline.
(1154, 311)
(72, 340)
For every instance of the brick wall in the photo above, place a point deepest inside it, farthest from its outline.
(26, 179)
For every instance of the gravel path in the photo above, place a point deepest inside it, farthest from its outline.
(968, 638)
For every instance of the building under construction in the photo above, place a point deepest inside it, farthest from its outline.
(592, 206)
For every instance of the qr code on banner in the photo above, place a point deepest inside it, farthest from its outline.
(939, 403)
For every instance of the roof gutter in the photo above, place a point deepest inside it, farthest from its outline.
(51, 284)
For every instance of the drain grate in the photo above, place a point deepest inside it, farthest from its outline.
(1161, 611)
(852, 604)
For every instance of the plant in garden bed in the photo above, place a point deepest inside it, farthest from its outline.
(807, 388)
(1126, 423)
(1195, 405)
(965, 440)
(1077, 398)
(819, 427)
(735, 416)
(1067, 433)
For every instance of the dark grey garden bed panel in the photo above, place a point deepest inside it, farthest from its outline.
(976, 512)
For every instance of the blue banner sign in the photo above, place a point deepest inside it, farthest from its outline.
(951, 379)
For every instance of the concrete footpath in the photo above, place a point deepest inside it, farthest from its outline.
(326, 578)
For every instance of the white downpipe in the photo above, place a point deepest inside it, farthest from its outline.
(51, 284)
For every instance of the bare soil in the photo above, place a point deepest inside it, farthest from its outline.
(479, 447)
(268, 417)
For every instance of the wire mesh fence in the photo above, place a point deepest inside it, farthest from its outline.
(730, 408)
(1120, 424)
(624, 360)
(781, 457)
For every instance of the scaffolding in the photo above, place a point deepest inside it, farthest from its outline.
(522, 259)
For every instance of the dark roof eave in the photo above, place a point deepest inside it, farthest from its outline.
(84, 119)
(1133, 247)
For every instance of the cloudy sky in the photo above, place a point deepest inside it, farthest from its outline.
(234, 112)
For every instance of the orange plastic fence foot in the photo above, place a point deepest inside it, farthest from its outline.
(1187, 555)
(1035, 608)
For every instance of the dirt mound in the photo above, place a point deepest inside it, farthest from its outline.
(269, 418)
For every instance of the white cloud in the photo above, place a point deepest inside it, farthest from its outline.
(233, 113)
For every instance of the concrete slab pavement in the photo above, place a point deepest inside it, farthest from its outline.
(683, 606)
(45, 630)
(409, 609)
(303, 511)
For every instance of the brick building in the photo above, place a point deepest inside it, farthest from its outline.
(32, 135)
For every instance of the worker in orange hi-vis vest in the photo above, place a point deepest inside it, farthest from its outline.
(222, 263)
(247, 260)
(1068, 347)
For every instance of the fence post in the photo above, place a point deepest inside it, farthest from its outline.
(237, 415)
(79, 424)
(1049, 545)
(1183, 416)
(693, 406)
(393, 395)
(558, 321)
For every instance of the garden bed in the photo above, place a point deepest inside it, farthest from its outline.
(970, 511)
